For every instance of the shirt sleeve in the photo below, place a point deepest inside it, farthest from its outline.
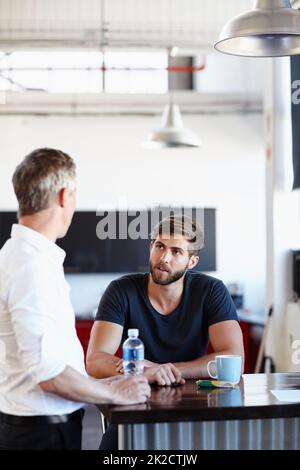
(112, 306)
(31, 301)
(219, 305)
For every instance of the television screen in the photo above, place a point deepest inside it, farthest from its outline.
(117, 252)
(7, 219)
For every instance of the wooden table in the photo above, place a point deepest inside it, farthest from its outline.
(185, 418)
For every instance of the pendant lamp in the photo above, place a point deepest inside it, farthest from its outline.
(271, 29)
(171, 132)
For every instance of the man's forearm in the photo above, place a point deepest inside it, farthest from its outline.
(102, 365)
(197, 369)
(74, 386)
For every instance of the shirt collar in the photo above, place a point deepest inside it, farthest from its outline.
(39, 241)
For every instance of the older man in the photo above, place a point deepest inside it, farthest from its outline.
(43, 383)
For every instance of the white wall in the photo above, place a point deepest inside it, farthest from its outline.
(227, 173)
(231, 74)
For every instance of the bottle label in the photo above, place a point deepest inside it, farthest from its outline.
(133, 354)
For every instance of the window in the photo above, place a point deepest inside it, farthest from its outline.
(82, 72)
(137, 72)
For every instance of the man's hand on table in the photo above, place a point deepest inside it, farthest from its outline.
(164, 374)
(130, 390)
(160, 374)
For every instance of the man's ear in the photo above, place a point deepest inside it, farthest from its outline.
(151, 245)
(193, 261)
(62, 197)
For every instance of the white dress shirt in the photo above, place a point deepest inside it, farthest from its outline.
(37, 325)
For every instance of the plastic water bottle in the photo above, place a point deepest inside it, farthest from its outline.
(133, 354)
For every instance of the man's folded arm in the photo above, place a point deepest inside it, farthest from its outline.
(104, 342)
(225, 338)
(101, 360)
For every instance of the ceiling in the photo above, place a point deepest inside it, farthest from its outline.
(190, 24)
(193, 25)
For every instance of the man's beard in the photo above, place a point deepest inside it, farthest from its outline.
(172, 277)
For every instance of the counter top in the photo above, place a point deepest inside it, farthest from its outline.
(251, 400)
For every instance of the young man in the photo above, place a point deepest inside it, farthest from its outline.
(43, 383)
(176, 311)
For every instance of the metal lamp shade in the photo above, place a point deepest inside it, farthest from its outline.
(271, 29)
(171, 132)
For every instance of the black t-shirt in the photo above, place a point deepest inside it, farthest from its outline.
(179, 336)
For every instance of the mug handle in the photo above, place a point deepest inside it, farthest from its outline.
(208, 371)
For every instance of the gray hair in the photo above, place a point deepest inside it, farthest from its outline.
(38, 179)
(183, 226)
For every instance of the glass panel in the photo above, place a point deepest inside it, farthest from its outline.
(146, 72)
(56, 72)
(81, 71)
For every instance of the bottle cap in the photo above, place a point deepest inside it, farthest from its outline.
(133, 332)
